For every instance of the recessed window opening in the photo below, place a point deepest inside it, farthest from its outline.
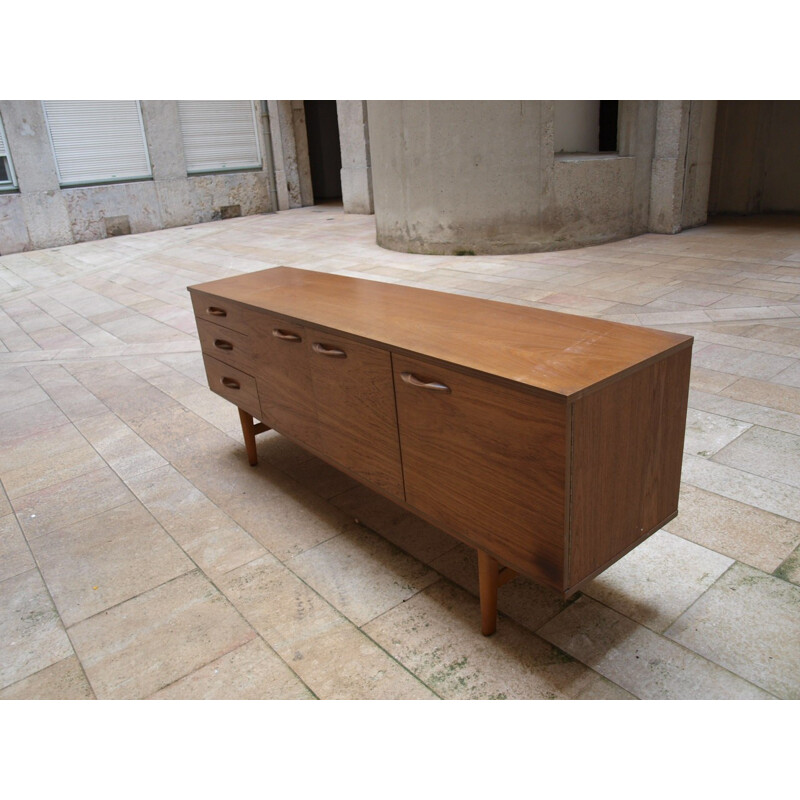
(585, 126)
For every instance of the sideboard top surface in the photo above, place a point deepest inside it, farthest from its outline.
(562, 354)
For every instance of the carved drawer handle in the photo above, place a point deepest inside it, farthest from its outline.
(327, 350)
(285, 335)
(230, 383)
(221, 344)
(413, 380)
(215, 311)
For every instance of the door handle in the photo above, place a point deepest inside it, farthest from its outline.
(413, 380)
(285, 336)
(327, 350)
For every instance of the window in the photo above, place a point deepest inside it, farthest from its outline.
(7, 178)
(219, 135)
(585, 126)
(97, 141)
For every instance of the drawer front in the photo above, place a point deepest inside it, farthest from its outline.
(226, 345)
(282, 371)
(355, 409)
(223, 312)
(233, 385)
(487, 462)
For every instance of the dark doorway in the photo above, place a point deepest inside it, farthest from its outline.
(609, 111)
(324, 151)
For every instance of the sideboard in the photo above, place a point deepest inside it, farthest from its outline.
(550, 442)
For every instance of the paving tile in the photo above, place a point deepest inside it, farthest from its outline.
(734, 529)
(332, 657)
(70, 501)
(57, 468)
(410, 533)
(122, 449)
(209, 536)
(765, 452)
(763, 393)
(282, 515)
(436, 635)
(15, 556)
(709, 380)
(74, 399)
(737, 361)
(708, 433)
(658, 580)
(18, 390)
(744, 411)
(134, 649)
(20, 423)
(361, 574)
(31, 634)
(768, 495)
(251, 672)
(64, 680)
(106, 559)
(40, 448)
(748, 622)
(639, 660)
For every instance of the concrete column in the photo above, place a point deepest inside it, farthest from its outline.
(40, 205)
(278, 158)
(681, 171)
(294, 141)
(356, 167)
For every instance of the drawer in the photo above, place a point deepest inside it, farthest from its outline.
(223, 312)
(233, 385)
(225, 345)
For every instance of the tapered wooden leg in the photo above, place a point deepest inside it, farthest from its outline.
(488, 575)
(491, 576)
(249, 435)
(249, 430)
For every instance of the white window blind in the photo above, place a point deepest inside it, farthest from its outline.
(219, 135)
(7, 178)
(97, 141)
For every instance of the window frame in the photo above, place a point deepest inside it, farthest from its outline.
(207, 169)
(66, 183)
(9, 185)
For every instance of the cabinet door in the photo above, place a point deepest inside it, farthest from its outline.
(355, 409)
(281, 368)
(487, 463)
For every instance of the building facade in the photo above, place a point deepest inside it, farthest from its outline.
(440, 176)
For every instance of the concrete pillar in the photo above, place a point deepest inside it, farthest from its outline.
(278, 157)
(40, 203)
(356, 167)
(681, 171)
(294, 142)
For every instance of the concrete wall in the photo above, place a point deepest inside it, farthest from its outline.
(487, 177)
(756, 167)
(576, 126)
(356, 163)
(41, 214)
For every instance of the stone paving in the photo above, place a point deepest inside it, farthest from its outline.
(141, 557)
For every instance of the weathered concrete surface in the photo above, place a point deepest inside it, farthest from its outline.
(485, 177)
(356, 166)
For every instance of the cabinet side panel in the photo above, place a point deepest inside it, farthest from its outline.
(626, 461)
(486, 463)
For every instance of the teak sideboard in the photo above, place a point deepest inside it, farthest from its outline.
(550, 442)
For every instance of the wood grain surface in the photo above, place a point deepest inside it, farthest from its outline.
(548, 352)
